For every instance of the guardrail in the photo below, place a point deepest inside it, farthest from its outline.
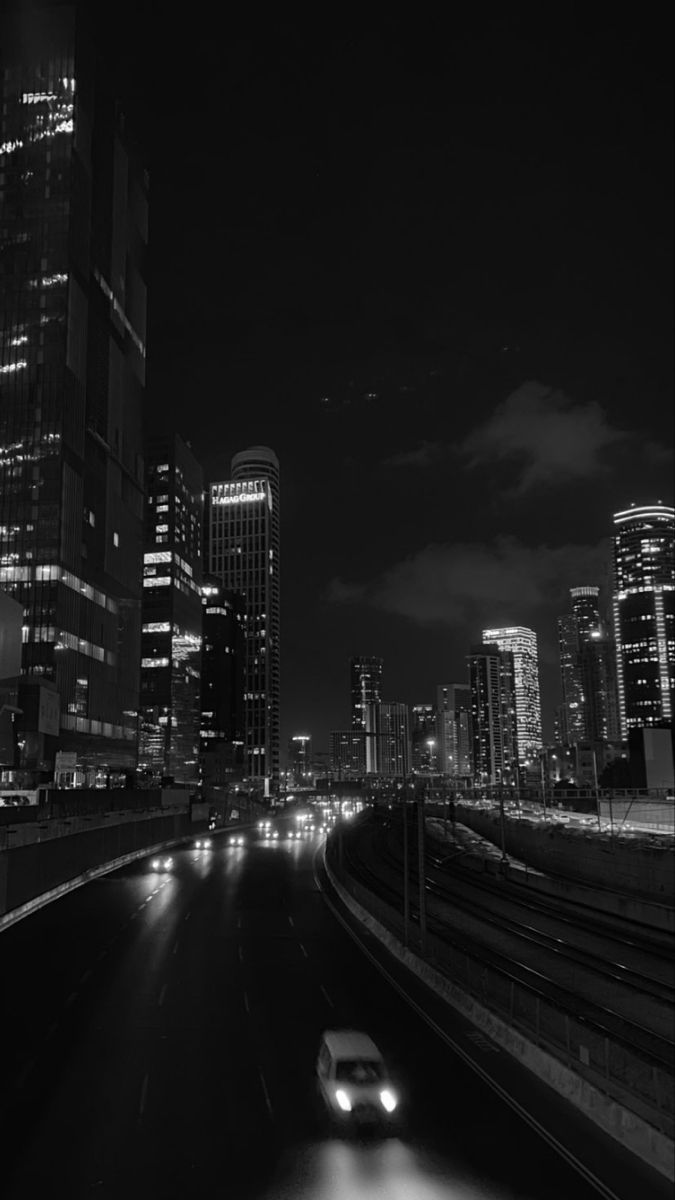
(638, 1083)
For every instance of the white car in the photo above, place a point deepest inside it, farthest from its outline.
(203, 844)
(236, 840)
(162, 864)
(353, 1079)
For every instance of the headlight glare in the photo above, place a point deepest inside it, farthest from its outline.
(343, 1100)
(388, 1100)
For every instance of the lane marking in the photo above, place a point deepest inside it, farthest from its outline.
(71, 999)
(85, 977)
(147, 898)
(327, 997)
(162, 994)
(175, 948)
(471, 1062)
(241, 954)
(303, 949)
(102, 955)
(187, 917)
(52, 1029)
(266, 1094)
(246, 1003)
(238, 922)
(291, 923)
(144, 1096)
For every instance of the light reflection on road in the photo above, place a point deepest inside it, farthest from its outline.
(382, 1170)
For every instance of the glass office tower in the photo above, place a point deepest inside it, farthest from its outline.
(172, 611)
(644, 614)
(522, 642)
(366, 685)
(244, 552)
(73, 232)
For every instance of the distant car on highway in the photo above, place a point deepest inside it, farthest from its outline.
(237, 839)
(353, 1079)
(162, 864)
(203, 844)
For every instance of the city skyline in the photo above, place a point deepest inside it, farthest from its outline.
(505, 414)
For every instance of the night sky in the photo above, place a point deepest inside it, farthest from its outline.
(431, 266)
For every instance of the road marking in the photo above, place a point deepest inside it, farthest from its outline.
(241, 954)
(482, 1042)
(162, 994)
(266, 1094)
(102, 955)
(132, 917)
(71, 999)
(290, 922)
(186, 917)
(303, 950)
(325, 993)
(52, 1029)
(175, 948)
(238, 922)
(246, 1003)
(147, 898)
(144, 1096)
(85, 977)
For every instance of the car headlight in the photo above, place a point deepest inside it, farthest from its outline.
(388, 1100)
(198, 845)
(207, 844)
(155, 864)
(231, 841)
(168, 862)
(275, 834)
(343, 1100)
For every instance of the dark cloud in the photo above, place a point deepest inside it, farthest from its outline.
(469, 584)
(425, 455)
(552, 439)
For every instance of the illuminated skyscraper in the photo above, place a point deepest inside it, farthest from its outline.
(222, 684)
(172, 611)
(587, 667)
(522, 643)
(644, 614)
(347, 756)
(394, 739)
(73, 233)
(366, 685)
(493, 715)
(425, 756)
(244, 551)
(300, 759)
(453, 729)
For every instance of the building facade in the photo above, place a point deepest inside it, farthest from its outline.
(522, 643)
(172, 611)
(453, 729)
(244, 553)
(494, 720)
(300, 764)
(73, 231)
(366, 698)
(347, 754)
(425, 756)
(394, 740)
(644, 614)
(221, 740)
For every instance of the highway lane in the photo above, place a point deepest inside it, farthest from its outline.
(160, 1034)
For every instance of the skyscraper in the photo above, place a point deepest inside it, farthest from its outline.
(73, 231)
(300, 764)
(494, 722)
(644, 614)
(424, 750)
(222, 683)
(453, 729)
(243, 552)
(394, 739)
(347, 756)
(366, 685)
(587, 669)
(172, 610)
(522, 643)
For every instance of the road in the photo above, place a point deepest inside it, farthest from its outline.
(159, 1039)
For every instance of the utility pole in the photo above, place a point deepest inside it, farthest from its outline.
(421, 875)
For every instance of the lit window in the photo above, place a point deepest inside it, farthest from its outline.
(116, 539)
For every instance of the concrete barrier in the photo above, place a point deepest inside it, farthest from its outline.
(625, 1126)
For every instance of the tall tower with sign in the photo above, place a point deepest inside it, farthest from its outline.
(243, 552)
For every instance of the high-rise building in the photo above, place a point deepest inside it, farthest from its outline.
(572, 710)
(300, 759)
(244, 552)
(394, 739)
(347, 757)
(222, 683)
(522, 642)
(644, 614)
(366, 685)
(425, 755)
(453, 729)
(73, 232)
(588, 676)
(172, 611)
(494, 721)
